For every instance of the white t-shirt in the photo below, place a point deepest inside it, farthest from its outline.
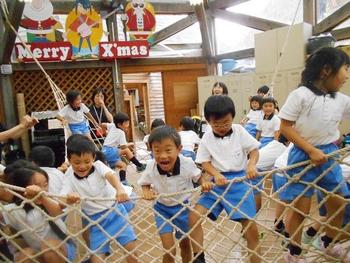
(229, 153)
(166, 185)
(145, 139)
(316, 117)
(254, 116)
(35, 228)
(282, 161)
(269, 154)
(56, 179)
(346, 169)
(74, 117)
(115, 136)
(268, 127)
(188, 140)
(93, 186)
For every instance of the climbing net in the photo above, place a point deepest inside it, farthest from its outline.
(223, 238)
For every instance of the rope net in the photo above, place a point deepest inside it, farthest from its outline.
(30, 241)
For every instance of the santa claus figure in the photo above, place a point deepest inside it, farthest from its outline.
(140, 19)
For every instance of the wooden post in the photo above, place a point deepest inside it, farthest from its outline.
(309, 11)
(21, 109)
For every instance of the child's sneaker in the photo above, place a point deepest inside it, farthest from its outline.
(306, 239)
(337, 251)
(293, 259)
(141, 168)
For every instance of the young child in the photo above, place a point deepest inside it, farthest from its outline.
(115, 146)
(268, 127)
(74, 114)
(219, 88)
(263, 91)
(223, 154)
(189, 139)
(40, 234)
(170, 172)
(253, 116)
(87, 178)
(310, 119)
(155, 123)
(44, 157)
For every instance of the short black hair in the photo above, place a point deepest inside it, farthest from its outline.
(72, 95)
(221, 85)
(120, 118)
(16, 165)
(79, 144)
(98, 91)
(269, 100)
(164, 132)
(157, 123)
(43, 156)
(256, 98)
(187, 123)
(99, 156)
(218, 106)
(263, 89)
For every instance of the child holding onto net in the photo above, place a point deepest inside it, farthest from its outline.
(170, 172)
(310, 119)
(88, 179)
(74, 114)
(223, 154)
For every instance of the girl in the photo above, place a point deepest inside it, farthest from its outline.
(155, 123)
(310, 119)
(189, 139)
(41, 234)
(73, 114)
(253, 116)
(268, 127)
(219, 88)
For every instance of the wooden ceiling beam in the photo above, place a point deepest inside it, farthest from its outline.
(341, 34)
(206, 33)
(246, 20)
(240, 54)
(173, 29)
(65, 6)
(333, 20)
(222, 4)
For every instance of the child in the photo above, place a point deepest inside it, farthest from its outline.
(114, 146)
(155, 123)
(74, 113)
(223, 154)
(310, 119)
(170, 172)
(268, 127)
(219, 88)
(41, 234)
(91, 179)
(253, 116)
(263, 91)
(189, 139)
(44, 157)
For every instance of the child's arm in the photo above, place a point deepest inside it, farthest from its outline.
(317, 156)
(62, 120)
(205, 185)
(147, 192)
(258, 135)
(244, 120)
(251, 166)
(113, 179)
(276, 135)
(218, 177)
(91, 119)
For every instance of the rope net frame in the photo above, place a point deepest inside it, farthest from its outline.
(223, 238)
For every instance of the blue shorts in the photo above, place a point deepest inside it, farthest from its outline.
(331, 181)
(238, 201)
(258, 184)
(79, 128)
(190, 154)
(115, 224)
(112, 155)
(170, 212)
(129, 205)
(265, 140)
(278, 181)
(71, 250)
(251, 129)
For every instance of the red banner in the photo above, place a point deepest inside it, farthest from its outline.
(124, 49)
(51, 51)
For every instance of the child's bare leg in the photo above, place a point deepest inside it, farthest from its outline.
(186, 253)
(131, 247)
(98, 258)
(122, 170)
(196, 233)
(55, 251)
(169, 245)
(24, 255)
(251, 234)
(280, 207)
(257, 199)
(127, 152)
(333, 203)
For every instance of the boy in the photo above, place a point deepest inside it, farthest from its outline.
(90, 179)
(170, 172)
(115, 145)
(223, 155)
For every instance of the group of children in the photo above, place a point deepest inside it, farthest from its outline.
(229, 153)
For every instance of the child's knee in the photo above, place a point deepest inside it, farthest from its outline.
(185, 244)
(250, 230)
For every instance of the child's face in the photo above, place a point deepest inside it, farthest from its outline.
(255, 105)
(223, 125)
(124, 126)
(77, 102)
(335, 82)
(40, 180)
(165, 153)
(82, 164)
(217, 90)
(268, 108)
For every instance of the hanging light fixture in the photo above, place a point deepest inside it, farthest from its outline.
(196, 2)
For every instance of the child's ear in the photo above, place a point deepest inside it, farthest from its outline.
(180, 148)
